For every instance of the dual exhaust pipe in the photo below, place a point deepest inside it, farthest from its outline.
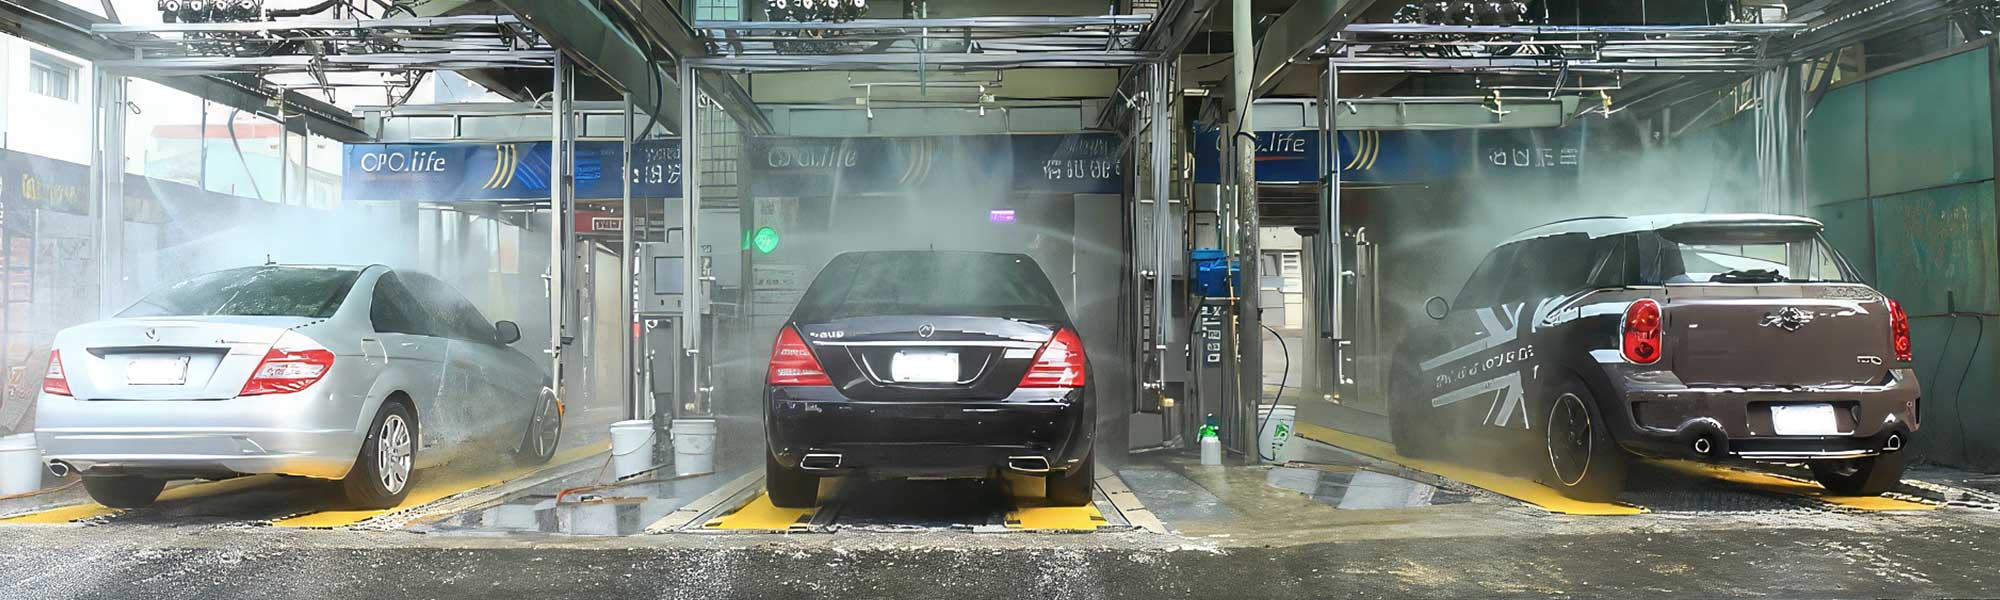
(830, 462)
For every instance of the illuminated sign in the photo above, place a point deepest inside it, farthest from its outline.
(453, 172)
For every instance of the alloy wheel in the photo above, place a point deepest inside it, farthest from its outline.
(1569, 439)
(392, 453)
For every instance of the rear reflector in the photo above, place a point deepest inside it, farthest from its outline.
(54, 381)
(293, 363)
(792, 363)
(1059, 365)
(1639, 334)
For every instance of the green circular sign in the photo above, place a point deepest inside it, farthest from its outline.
(765, 240)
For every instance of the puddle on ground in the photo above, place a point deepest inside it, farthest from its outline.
(1360, 489)
(622, 516)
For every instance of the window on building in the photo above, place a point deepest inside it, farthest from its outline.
(51, 76)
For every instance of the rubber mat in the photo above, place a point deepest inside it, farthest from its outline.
(759, 514)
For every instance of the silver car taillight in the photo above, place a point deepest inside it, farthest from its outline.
(294, 363)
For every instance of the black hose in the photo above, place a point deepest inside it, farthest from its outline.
(1284, 377)
(282, 13)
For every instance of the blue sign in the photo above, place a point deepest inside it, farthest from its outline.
(454, 172)
(1384, 157)
(1078, 163)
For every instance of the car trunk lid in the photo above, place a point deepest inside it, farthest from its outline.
(168, 358)
(926, 357)
(1778, 334)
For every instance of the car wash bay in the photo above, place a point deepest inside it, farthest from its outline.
(1240, 239)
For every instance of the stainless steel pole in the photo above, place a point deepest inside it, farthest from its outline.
(628, 278)
(1162, 123)
(1249, 321)
(690, 212)
(559, 221)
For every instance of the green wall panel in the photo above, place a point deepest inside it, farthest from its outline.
(1847, 228)
(1930, 125)
(1956, 360)
(1836, 148)
(1938, 243)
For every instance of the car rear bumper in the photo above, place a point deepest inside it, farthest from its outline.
(1658, 416)
(928, 439)
(196, 438)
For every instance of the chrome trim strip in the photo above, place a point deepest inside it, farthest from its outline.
(1780, 455)
(936, 344)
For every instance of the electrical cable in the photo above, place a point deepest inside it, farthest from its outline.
(1284, 377)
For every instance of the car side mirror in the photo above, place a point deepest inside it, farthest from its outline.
(1437, 308)
(506, 332)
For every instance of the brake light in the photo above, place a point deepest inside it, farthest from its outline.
(293, 363)
(54, 381)
(792, 363)
(1899, 330)
(1059, 364)
(1639, 334)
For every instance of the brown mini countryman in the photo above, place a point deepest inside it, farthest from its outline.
(1714, 337)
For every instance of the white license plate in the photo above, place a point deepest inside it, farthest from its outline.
(1804, 419)
(156, 371)
(924, 367)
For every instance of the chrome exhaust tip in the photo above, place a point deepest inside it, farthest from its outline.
(1894, 443)
(60, 469)
(1702, 446)
(820, 462)
(1028, 464)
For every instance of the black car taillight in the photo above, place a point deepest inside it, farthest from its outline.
(792, 363)
(1059, 364)
(1639, 334)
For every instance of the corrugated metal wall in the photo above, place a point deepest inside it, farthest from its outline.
(1900, 167)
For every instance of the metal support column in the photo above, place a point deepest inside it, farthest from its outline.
(108, 170)
(1160, 111)
(628, 279)
(1327, 244)
(690, 234)
(1249, 321)
(559, 219)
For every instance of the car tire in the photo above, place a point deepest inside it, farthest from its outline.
(544, 434)
(1072, 486)
(1869, 476)
(1409, 436)
(122, 491)
(376, 482)
(1578, 457)
(789, 488)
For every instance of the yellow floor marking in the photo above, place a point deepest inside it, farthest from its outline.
(65, 514)
(1781, 484)
(1078, 518)
(437, 484)
(761, 514)
(1513, 487)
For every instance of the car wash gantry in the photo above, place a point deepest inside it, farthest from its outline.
(1178, 273)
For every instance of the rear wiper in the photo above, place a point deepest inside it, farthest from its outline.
(1748, 276)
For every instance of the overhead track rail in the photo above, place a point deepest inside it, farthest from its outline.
(900, 44)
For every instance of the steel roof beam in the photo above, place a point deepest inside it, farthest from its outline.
(663, 26)
(1299, 32)
(1164, 40)
(588, 36)
(67, 29)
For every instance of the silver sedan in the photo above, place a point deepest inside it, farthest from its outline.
(357, 374)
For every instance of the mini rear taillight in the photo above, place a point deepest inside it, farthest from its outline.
(792, 363)
(54, 381)
(1899, 330)
(1639, 334)
(1060, 363)
(293, 363)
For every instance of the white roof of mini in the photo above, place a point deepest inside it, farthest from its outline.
(1597, 227)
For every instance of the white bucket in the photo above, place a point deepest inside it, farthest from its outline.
(20, 464)
(694, 446)
(631, 447)
(1274, 429)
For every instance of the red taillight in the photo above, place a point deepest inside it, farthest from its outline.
(54, 381)
(292, 364)
(1899, 330)
(1639, 334)
(1059, 364)
(792, 363)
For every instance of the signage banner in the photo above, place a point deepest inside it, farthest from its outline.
(1076, 163)
(1399, 156)
(31, 181)
(455, 172)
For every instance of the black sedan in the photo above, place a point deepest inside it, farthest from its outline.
(928, 364)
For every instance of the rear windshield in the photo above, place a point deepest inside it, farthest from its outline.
(1749, 255)
(251, 292)
(863, 284)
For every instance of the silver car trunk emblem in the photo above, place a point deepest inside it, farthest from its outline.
(1789, 318)
(925, 330)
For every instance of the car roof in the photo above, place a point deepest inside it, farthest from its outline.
(1597, 227)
